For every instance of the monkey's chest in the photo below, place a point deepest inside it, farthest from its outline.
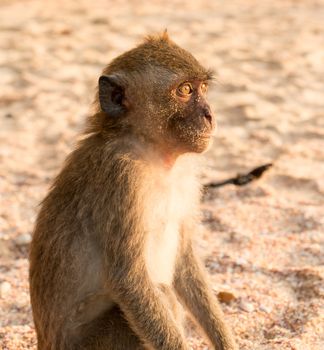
(164, 216)
(169, 201)
(161, 250)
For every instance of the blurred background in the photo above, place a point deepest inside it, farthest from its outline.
(262, 244)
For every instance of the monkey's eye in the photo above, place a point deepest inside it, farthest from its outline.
(185, 89)
(204, 87)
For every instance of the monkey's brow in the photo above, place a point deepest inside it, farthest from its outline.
(208, 75)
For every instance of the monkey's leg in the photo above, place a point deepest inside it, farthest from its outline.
(192, 288)
(110, 332)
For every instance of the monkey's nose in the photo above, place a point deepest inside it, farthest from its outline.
(208, 117)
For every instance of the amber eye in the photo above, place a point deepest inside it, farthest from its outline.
(203, 88)
(185, 89)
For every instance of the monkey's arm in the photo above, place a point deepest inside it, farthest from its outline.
(192, 288)
(147, 315)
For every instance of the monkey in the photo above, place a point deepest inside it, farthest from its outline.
(112, 262)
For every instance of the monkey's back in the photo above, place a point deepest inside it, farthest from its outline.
(66, 255)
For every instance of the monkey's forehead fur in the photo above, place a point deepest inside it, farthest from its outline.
(159, 51)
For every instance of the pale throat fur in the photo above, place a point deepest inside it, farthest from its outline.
(172, 198)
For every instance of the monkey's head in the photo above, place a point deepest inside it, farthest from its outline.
(157, 92)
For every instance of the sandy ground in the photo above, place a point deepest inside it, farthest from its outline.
(264, 242)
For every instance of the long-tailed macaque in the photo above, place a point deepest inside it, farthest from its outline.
(111, 259)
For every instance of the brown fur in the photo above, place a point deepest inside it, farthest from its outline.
(111, 255)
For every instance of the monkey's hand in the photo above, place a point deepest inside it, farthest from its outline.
(146, 313)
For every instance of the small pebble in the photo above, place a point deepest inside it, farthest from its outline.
(23, 239)
(246, 306)
(4, 288)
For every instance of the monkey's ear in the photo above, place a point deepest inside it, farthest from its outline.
(111, 96)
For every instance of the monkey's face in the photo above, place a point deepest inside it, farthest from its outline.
(178, 119)
(191, 123)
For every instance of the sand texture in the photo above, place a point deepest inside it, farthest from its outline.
(263, 244)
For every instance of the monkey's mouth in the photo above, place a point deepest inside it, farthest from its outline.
(206, 135)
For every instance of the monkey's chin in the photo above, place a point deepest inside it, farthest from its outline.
(202, 146)
(205, 147)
